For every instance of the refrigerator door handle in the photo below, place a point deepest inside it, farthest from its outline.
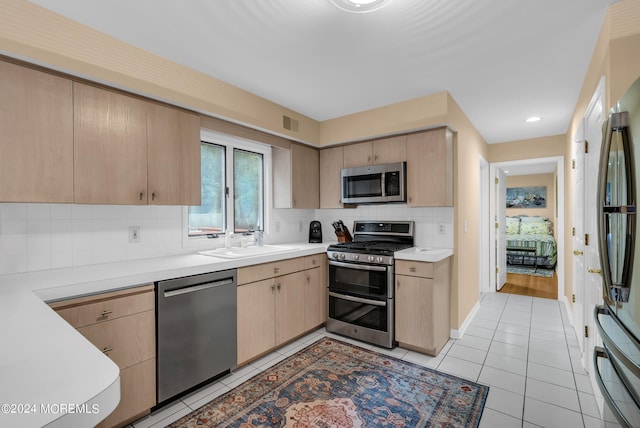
(598, 353)
(612, 344)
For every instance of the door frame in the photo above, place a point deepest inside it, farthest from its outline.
(484, 282)
(559, 227)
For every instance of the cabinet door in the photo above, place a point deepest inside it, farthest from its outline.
(36, 136)
(414, 311)
(331, 164)
(256, 319)
(360, 154)
(315, 299)
(173, 155)
(430, 168)
(138, 393)
(110, 147)
(305, 177)
(290, 306)
(390, 150)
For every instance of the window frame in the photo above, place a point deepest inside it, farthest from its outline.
(230, 143)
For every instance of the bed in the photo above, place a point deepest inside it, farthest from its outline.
(530, 242)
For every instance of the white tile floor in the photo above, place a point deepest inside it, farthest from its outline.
(522, 347)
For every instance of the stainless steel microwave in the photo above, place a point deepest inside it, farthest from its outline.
(374, 184)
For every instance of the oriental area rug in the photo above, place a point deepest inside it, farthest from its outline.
(332, 384)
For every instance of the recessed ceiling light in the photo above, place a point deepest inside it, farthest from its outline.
(360, 6)
(533, 119)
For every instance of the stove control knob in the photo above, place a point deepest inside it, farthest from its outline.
(334, 255)
(371, 258)
(379, 259)
(356, 257)
(342, 256)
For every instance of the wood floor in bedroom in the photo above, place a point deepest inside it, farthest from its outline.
(530, 285)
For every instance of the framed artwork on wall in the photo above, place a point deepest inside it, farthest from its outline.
(527, 197)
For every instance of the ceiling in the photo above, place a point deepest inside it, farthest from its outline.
(501, 60)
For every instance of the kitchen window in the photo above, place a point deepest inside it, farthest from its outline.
(233, 186)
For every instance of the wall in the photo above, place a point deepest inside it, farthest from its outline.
(426, 221)
(528, 149)
(537, 180)
(49, 236)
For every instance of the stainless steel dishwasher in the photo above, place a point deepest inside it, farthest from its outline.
(196, 330)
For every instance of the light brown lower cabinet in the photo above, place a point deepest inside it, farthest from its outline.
(278, 308)
(422, 305)
(122, 325)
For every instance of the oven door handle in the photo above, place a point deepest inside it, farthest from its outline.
(357, 299)
(357, 266)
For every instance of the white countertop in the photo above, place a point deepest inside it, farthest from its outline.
(424, 254)
(51, 375)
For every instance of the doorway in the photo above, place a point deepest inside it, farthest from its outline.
(531, 167)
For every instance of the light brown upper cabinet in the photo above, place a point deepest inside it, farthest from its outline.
(173, 156)
(110, 146)
(36, 136)
(121, 142)
(386, 150)
(331, 164)
(296, 177)
(430, 168)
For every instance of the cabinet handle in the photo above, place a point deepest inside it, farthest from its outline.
(276, 269)
(278, 286)
(375, 158)
(314, 262)
(368, 159)
(105, 313)
(398, 284)
(141, 195)
(153, 196)
(273, 287)
(107, 349)
(412, 269)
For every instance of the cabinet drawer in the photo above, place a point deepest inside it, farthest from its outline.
(127, 340)
(314, 261)
(412, 268)
(137, 393)
(83, 312)
(255, 273)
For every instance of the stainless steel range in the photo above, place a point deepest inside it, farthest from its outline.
(361, 281)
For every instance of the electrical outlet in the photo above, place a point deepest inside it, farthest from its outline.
(134, 234)
(440, 228)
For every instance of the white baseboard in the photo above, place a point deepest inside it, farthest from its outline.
(457, 334)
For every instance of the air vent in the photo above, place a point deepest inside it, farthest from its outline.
(289, 123)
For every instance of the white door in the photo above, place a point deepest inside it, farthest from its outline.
(578, 173)
(501, 228)
(594, 117)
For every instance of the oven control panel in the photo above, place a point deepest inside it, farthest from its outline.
(360, 258)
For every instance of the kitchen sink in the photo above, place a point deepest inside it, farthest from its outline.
(242, 252)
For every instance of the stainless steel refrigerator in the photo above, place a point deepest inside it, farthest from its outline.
(617, 362)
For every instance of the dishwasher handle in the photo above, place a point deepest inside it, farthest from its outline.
(199, 287)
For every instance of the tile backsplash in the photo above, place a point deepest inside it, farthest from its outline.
(50, 236)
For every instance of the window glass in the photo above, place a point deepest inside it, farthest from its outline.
(247, 190)
(211, 215)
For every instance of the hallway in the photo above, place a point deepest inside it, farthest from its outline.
(530, 285)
